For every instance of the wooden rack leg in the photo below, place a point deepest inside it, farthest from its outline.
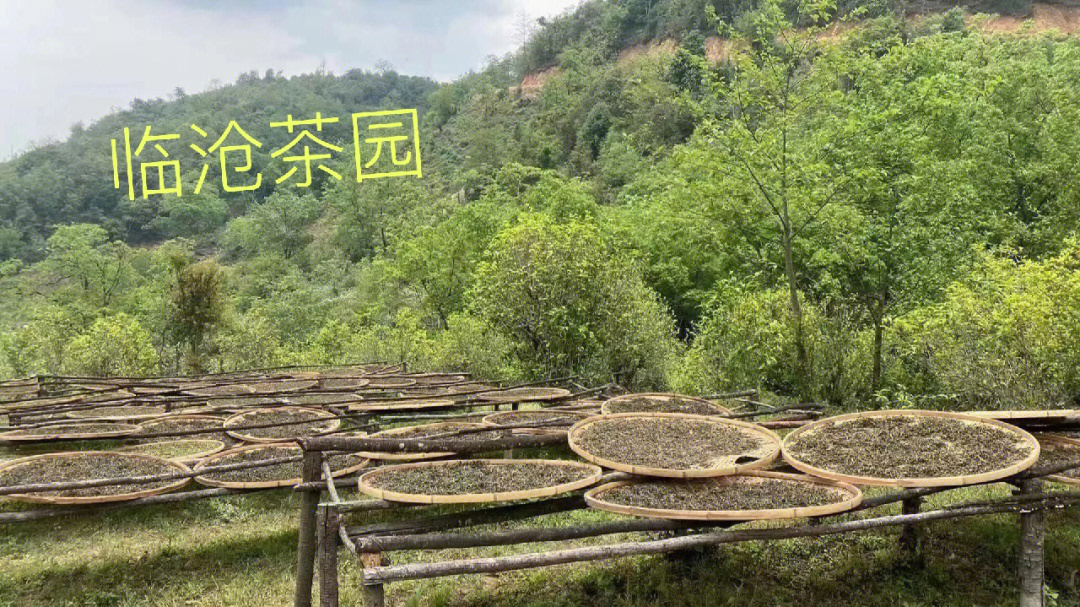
(1032, 533)
(328, 556)
(305, 549)
(909, 534)
(374, 594)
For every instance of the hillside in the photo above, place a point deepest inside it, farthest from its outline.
(626, 197)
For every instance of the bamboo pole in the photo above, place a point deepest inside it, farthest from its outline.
(542, 559)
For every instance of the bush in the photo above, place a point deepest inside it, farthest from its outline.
(113, 345)
(570, 304)
(748, 341)
(1006, 337)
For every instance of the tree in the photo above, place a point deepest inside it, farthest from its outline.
(82, 254)
(198, 300)
(775, 110)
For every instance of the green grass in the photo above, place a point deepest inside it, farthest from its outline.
(241, 551)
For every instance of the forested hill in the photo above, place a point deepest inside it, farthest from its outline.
(884, 209)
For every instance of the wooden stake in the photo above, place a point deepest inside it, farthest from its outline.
(305, 548)
(1031, 566)
(909, 534)
(328, 556)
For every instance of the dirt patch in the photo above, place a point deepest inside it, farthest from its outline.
(1044, 17)
(476, 477)
(724, 493)
(669, 443)
(83, 467)
(908, 446)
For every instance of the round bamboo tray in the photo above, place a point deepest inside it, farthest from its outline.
(528, 416)
(764, 455)
(241, 419)
(306, 399)
(405, 405)
(343, 383)
(934, 481)
(211, 446)
(116, 413)
(393, 432)
(619, 404)
(1073, 444)
(389, 383)
(101, 499)
(519, 395)
(282, 386)
(594, 474)
(1027, 415)
(849, 497)
(69, 432)
(223, 457)
(212, 422)
(222, 390)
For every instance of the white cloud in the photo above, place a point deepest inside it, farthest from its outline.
(66, 62)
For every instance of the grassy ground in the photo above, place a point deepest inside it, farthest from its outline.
(240, 551)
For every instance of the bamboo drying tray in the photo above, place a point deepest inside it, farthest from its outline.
(342, 383)
(224, 457)
(119, 412)
(220, 390)
(390, 383)
(282, 386)
(849, 497)
(934, 481)
(244, 418)
(69, 432)
(441, 427)
(101, 499)
(529, 416)
(212, 422)
(403, 405)
(1071, 443)
(765, 454)
(528, 394)
(210, 447)
(621, 404)
(593, 474)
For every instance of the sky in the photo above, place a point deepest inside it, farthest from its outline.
(68, 61)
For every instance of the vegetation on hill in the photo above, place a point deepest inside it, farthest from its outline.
(884, 216)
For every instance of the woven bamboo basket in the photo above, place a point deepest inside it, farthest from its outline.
(937, 481)
(764, 455)
(404, 405)
(521, 395)
(594, 474)
(102, 499)
(68, 432)
(212, 446)
(615, 405)
(241, 419)
(1028, 415)
(394, 432)
(849, 497)
(1071, 443)
(321, 399)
